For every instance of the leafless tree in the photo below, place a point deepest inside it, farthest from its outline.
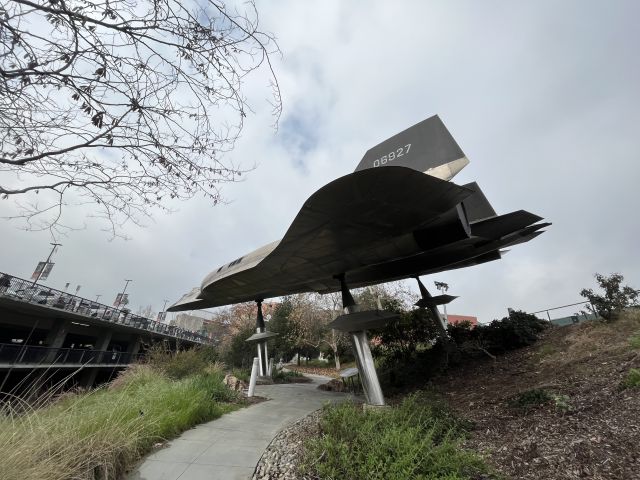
(122, 105)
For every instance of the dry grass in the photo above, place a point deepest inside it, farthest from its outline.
(96, 435)
(592, 338)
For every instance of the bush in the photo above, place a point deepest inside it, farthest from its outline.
(531, 398)
(632, 380)
(183, 363)
(239, 353)
(243, 374)
(634, 341)
(401, 339)
(290, 376)
(519, 329)
(419, 438)
(317, 363)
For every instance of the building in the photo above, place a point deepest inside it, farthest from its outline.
(456, 319)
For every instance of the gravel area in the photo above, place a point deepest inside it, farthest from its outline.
(282, 457)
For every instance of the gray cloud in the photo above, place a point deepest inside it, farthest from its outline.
(541, 96)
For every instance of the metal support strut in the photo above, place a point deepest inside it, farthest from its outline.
(364, 359)
(431, 303)
(262, 345)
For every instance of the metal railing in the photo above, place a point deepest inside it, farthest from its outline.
(547, 310)
(15, 354)
(28, 291)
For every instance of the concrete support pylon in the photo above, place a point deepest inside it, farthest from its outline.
(134, 346)
(101, 345)
(55, 338)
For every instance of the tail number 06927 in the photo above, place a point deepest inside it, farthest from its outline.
(391, 156)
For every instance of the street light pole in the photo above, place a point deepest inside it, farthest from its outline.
(443, 287)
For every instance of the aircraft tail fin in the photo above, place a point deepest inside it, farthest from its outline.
(427, 147)
(477, 206)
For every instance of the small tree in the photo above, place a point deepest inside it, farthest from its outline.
(615, 298)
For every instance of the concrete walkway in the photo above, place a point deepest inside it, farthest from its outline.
(229, 448)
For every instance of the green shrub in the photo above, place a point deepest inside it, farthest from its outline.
(632, 380)
(243, 374)
(317, 363)
(418, 439)
(635, 341)
(290, 376)
(531, 398)
(239, 353)
(561, 402)
(519, 329)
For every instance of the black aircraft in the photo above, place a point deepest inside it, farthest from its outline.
(396, 216)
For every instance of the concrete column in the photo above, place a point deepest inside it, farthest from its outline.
(90, 371)
(134, 345)
(55, 338)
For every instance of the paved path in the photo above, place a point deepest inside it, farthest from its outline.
(229, 448)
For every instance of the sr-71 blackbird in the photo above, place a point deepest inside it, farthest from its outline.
(396, 216)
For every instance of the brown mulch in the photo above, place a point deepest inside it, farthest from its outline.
(595, 435)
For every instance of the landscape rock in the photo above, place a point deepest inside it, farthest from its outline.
(234, 383)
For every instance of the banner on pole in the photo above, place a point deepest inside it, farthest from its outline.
(121, 299)
(38, 270)
(47, 270)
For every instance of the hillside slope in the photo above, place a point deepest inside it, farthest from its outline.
(556, 410)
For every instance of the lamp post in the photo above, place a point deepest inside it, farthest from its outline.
(443, 287)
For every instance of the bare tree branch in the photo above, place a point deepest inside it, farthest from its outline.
(123, 104)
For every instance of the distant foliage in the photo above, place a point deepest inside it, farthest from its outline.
(613, 300)
(238, 352)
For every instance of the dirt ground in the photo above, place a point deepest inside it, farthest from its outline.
(591, 429)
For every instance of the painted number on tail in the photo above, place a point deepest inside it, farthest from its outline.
(391, 156)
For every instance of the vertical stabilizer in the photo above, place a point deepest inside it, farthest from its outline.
(427, 147)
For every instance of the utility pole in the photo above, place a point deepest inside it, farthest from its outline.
(98, 298)
(46, 262)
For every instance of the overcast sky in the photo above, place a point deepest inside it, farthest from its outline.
(542, 96)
